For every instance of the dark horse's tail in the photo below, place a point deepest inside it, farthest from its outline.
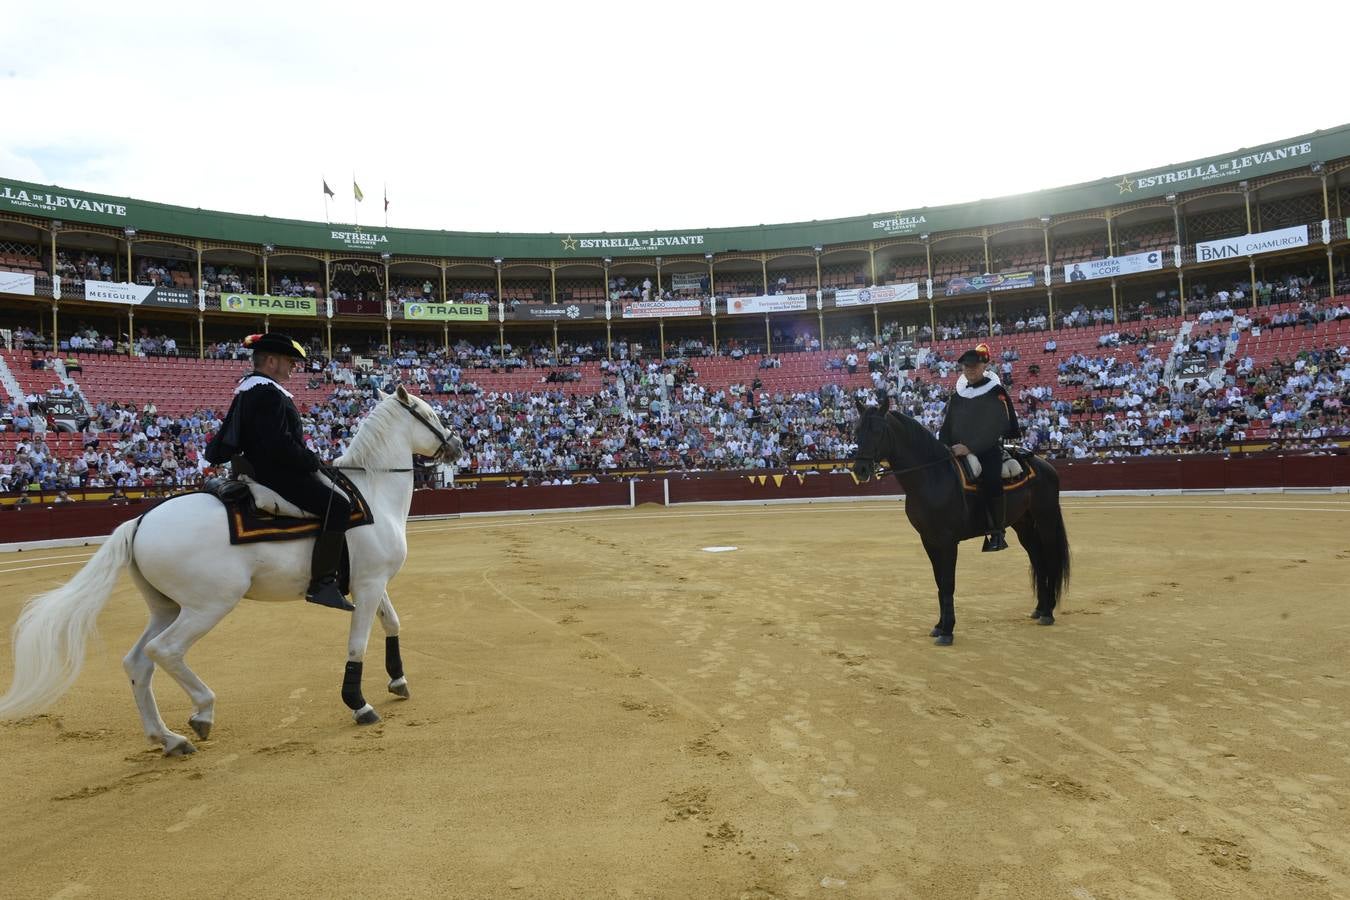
(1050, 564)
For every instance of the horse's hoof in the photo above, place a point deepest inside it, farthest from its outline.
(366, 715)
(399, 688)
(943, 640)
(936, 632)
(1035, 614)
(1047, 620)
(201, 727)
(182, 748)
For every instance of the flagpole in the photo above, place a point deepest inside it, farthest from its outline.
(327, 217)
(356, 218)
(386, 204)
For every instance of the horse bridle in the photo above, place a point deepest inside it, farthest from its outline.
(442, 439)
(879, 472)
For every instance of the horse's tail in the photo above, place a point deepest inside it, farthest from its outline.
(1055, 561)
(1050, 558)
(51, 632)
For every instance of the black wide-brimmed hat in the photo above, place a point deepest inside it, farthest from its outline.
(973, 357)
(275, 342)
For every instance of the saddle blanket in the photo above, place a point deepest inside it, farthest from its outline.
(257, 513)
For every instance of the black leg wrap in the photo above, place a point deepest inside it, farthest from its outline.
(351, 686)
(393, 663)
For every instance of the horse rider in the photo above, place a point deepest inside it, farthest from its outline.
(980, 415)
(263, 426)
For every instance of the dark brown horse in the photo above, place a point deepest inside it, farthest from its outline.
(945, 512)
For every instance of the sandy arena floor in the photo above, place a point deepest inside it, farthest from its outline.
(602, 709)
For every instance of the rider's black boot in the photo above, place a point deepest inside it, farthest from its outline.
(995, 541)
(323, 584)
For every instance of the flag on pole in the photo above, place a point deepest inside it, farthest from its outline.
(386, 199)
(327, 191)
(356, 191)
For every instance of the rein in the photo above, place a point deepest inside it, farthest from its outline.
(882, 472)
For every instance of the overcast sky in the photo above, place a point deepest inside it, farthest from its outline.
(625, 116)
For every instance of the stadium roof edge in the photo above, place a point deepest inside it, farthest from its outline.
(70, 205)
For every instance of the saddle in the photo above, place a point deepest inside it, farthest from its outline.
(257, 513)
(1011, 467)
(1015, 472)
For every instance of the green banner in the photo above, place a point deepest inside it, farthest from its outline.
(368, 242)
(269, 306)
(446, 312)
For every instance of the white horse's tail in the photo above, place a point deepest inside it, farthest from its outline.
(51, 632)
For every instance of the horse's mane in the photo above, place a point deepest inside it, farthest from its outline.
(373, 441)
(912, 433)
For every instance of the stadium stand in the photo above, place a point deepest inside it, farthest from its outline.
(1242, 354)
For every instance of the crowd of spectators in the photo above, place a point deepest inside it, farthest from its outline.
(227, 279)
(160, 272)
(85, 266)
(1121, 399)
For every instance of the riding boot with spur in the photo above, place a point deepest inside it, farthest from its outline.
(323, 582)
(995, 541)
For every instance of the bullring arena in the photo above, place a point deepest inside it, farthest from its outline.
(659, 640)
(602, 708)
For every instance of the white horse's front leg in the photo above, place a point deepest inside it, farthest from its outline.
(368, 598)
(393, 660)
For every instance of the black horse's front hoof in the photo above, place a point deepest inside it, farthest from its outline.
(1047, 620)
(943, 640)
(936, 632)
(1035, 614)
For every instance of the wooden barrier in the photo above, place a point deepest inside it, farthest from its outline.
(44, 522)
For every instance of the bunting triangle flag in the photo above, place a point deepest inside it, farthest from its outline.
(778, 481)
(760, 480)
(853, 476)
(801, 479)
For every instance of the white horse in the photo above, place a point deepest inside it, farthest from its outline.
(180, 556)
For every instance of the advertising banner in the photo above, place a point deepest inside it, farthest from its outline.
(554, 312)
(116, 292)
(446, 312)
(886, 293)
(658, 309)
(1252, 244)
(978, 284)
(688, 281)
(139, 295)
(269, 306)
(1114, 265)
(771, 304)
(17, 283)
(174, 298)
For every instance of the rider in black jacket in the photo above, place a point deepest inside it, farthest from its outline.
(980, 415)
(264, 427)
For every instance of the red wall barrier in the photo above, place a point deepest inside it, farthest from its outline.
(720, 486)
(48, 522)
(1204, 473)
(497, 499)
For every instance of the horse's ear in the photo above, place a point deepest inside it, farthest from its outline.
(885, 400)
(402, 394)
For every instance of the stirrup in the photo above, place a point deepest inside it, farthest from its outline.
(994, 542)
(327, 593)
